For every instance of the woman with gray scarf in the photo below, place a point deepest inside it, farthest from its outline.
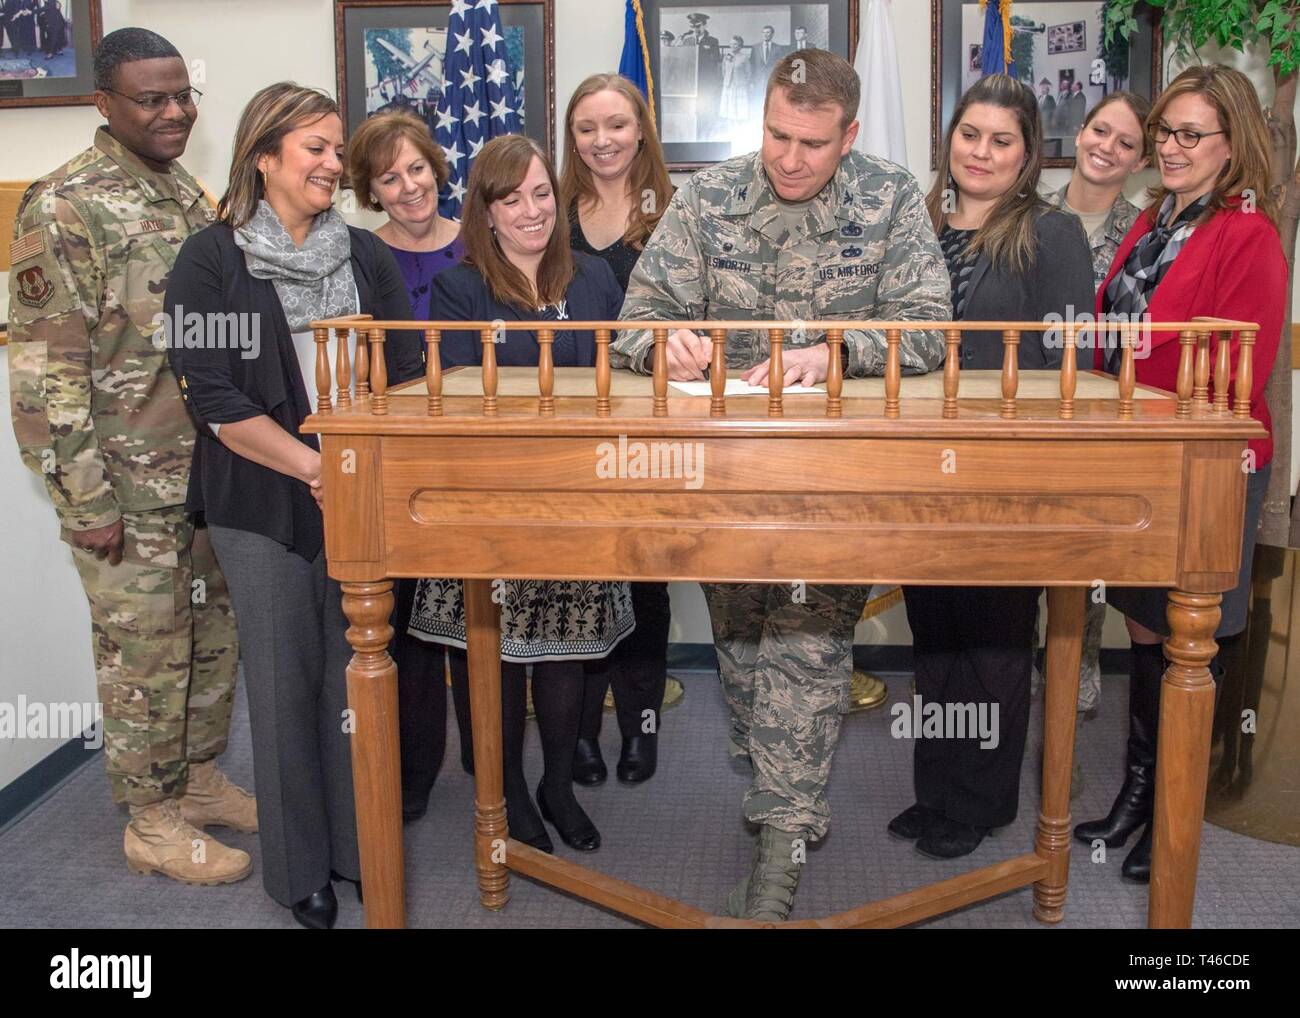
(278, 258)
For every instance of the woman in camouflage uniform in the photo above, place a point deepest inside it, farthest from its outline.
(1111, 146)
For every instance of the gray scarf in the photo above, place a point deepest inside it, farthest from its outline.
(314, 281)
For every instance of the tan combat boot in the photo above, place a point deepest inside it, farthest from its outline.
(210, 800)
(775, 876)
(159, 840)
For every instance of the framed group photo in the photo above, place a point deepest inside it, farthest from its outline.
(389, 54)
(1058, 49)
(710, 62)
(46, 49)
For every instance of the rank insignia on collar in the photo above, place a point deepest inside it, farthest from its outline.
(743, 193)
(852, 251)
(34, 290)
(848, 197)
(851, 230)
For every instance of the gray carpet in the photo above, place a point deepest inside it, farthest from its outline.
(680, 834)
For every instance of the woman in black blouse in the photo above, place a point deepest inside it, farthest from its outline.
(1010, 258)
(518, 267)
(278, 258)
(615, 187)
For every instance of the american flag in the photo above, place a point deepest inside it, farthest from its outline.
(478, 93)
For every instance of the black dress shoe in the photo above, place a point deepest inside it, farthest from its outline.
(317, 911)
(584, 838)
(1137, 864)
(638, 760)
(354, 883)
(588, 765)
(949, 839)
(912, 823)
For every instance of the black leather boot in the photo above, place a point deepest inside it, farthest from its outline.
(1137, 864)
(1133, 805)
(588, 765)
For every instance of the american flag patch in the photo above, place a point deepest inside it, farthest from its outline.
(29, 245)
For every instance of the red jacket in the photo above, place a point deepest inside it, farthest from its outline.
(1230, 267)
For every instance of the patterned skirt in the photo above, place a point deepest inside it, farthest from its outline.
(541, 620)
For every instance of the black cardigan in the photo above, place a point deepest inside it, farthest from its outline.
(460, 293)
(1061, 275)
(222, 386)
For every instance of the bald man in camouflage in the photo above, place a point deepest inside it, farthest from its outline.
(97, 413)
(805, 229)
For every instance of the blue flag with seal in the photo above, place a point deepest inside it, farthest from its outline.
(478, 93)
(635, 62)
(995, 53)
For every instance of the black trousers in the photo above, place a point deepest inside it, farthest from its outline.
(637, 669)
(973, 645)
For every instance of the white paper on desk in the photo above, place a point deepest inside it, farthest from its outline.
(735, 387)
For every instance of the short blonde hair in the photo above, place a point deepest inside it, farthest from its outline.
(374, 147)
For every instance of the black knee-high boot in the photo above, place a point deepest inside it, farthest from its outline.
(1132, 807)
(557, 697)
(588, 765)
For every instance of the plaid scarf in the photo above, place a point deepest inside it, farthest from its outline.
(1130, 290)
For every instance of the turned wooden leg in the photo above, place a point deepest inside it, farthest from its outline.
(1182, 757)
(376, 767)
(1065, 613)
(483, 640)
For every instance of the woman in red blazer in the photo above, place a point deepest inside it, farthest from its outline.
(1207, 245)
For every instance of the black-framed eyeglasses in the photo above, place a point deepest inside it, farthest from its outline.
(1184, 137)
(185, 99)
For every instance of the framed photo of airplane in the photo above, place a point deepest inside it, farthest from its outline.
(389, 55)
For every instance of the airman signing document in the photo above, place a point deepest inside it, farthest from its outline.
(805, 229)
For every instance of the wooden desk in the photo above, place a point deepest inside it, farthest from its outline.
(1011, 479)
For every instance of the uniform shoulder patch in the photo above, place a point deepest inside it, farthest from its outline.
(29, 245)
(32, 288)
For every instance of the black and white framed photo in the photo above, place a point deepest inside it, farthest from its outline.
(390, 55)
(710, 62)
(1058, 48)
(46, 49)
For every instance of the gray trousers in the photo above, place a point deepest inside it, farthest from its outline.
(295, 652)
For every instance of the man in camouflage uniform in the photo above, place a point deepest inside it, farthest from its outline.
(98, 415)
(805, 229)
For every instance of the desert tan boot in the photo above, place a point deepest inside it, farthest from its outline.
(159, 840)
(211, 800)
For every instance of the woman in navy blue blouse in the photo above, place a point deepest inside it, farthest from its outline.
(518, 267)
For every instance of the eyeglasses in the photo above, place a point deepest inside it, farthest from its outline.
(1184, 137)
(186, 99)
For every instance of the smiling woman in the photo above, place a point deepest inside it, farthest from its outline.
(281, 257)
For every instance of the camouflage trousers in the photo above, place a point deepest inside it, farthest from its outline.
(785, 654)
(165, 653)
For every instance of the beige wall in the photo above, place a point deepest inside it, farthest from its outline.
(235, 47)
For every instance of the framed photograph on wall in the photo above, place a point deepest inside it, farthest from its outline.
(46, 49)
(390, 54)
(1058, 48)
(711, 60)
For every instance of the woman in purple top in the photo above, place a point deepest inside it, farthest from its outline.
(395, 167)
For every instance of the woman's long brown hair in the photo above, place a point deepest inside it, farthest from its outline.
(498, 170)
(647, 179)
(1235, 101)
(269, 116)
(1007, 234)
